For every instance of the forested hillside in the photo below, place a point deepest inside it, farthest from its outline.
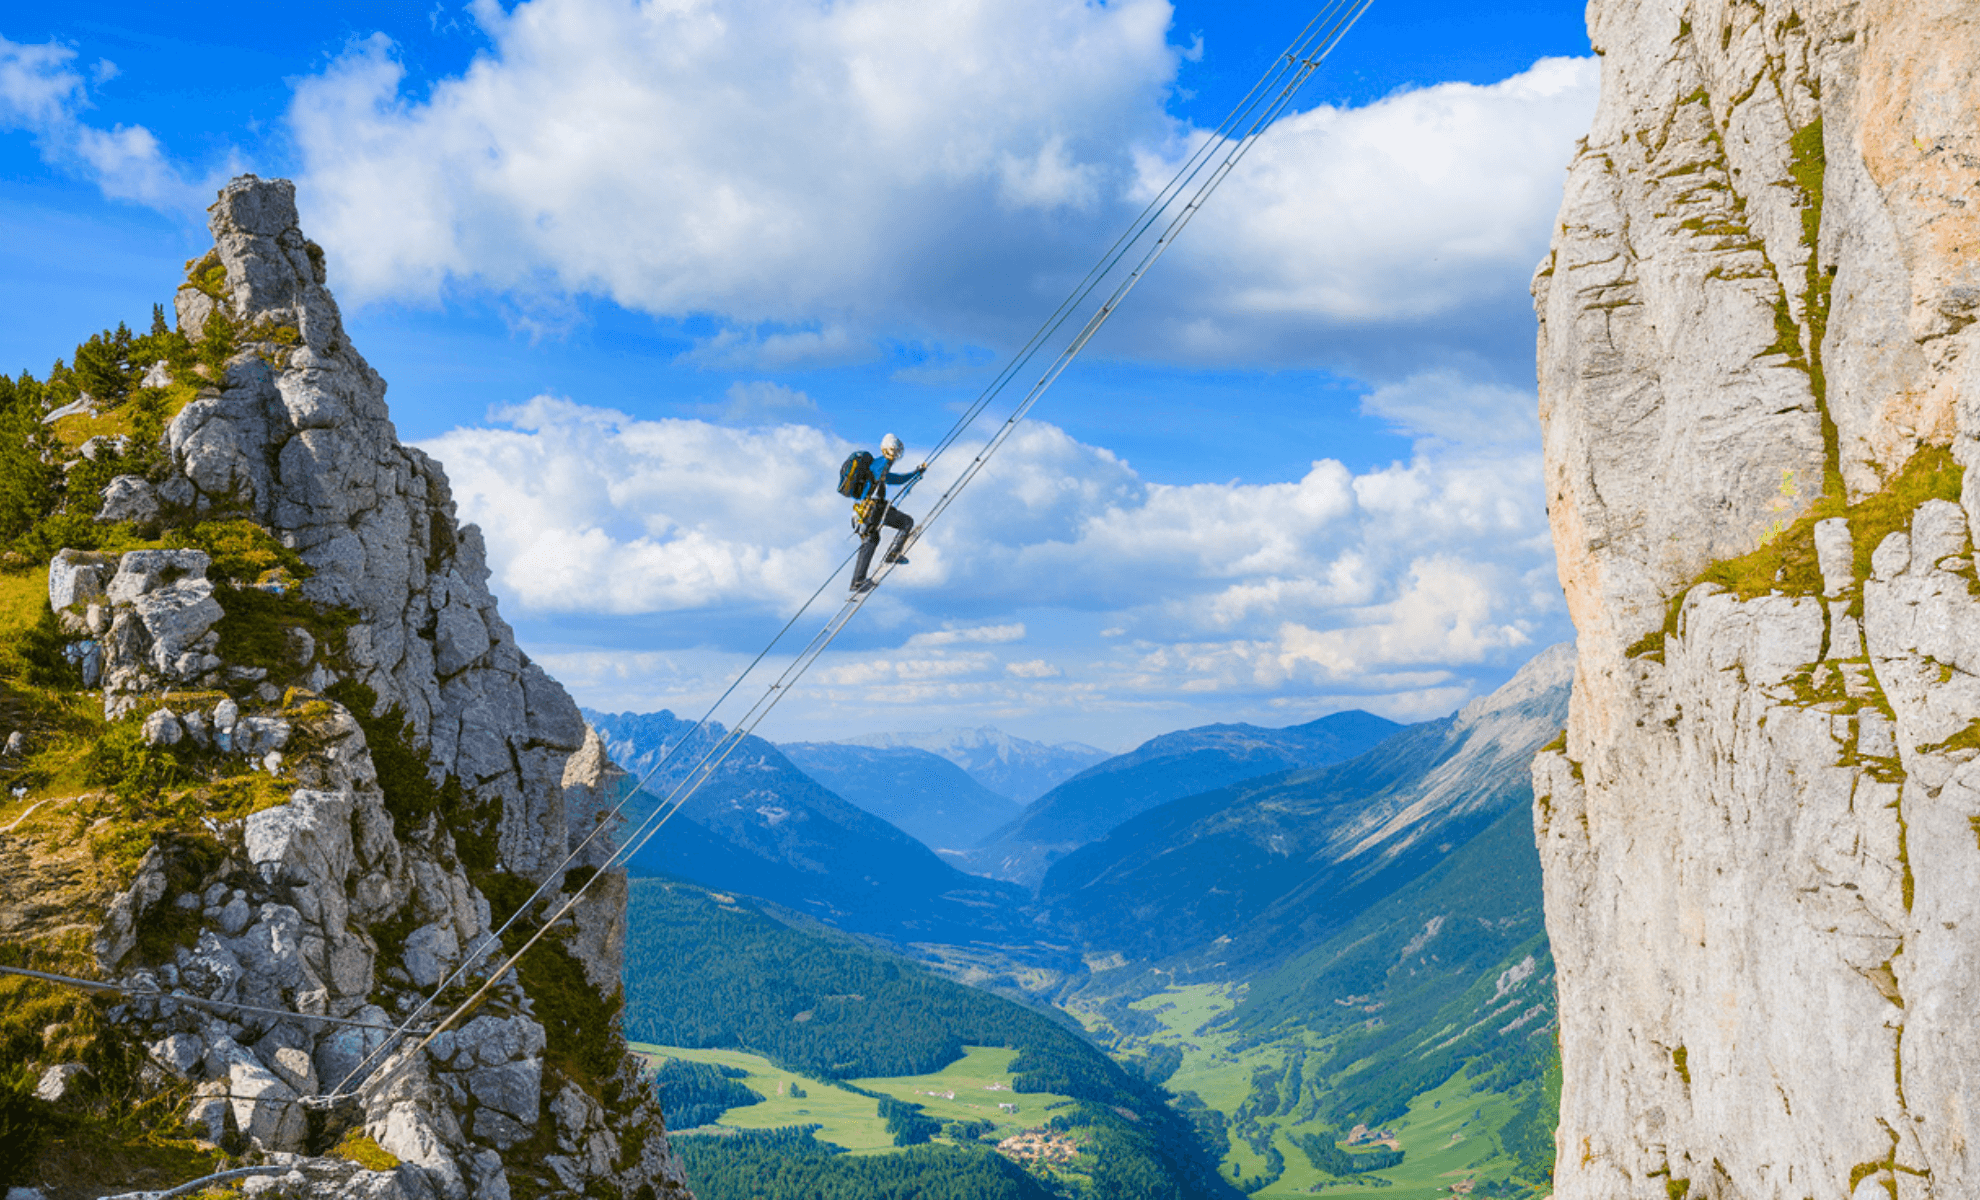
(1233, 881)
(1428, 1019)
(1451, 975)
(711, 970)
(765, 828)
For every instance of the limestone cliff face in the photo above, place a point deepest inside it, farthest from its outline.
(357, 894)
(1760, 390)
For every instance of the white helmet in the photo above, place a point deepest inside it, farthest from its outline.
(891, 447)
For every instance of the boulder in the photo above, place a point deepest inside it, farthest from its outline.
(307, 839)
(197, 729)
(432, 952)
(78, 577)
(162, 728)
(210, 1116)
(177, 620)
(141, 572)
(293, 1067)
(514, 1088)
(234, 916)
(264, 1107)
(179, 1053)
(493, 1041)
(129, 498)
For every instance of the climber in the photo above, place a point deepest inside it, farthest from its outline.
(867, 488)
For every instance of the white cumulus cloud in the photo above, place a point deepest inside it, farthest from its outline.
(1338, 578)
(1399, 212)
(819, 175)
(767, 161)
(43, 94)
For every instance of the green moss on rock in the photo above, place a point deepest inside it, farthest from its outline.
(1785, 563)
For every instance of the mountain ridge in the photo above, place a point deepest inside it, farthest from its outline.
(1015, 767)
(761, 825)
(923, 794)
(1244, 870)
(1163, 768)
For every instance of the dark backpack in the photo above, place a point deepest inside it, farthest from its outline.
(856, 474)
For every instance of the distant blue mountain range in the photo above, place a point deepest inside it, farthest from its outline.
(1009, 766)
(762, 826)
(922, 794)
(1159, 770)
(1248, 873)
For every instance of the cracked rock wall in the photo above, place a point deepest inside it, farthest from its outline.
(331, 904)
(1762, 867)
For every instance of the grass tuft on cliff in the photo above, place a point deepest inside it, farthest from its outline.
(1786, 564)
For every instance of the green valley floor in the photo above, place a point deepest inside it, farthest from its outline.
(1449, 1137)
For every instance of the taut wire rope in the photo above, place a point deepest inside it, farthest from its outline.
(1253, 115)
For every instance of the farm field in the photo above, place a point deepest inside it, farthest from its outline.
(1448, 1135)
(974, 1088)
(970, 1089)
(848, 1119)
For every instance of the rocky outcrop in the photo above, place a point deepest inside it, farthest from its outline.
(299, 436)
(404, 777)
(1760, 405)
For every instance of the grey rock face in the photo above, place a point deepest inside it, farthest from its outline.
(211, 1118)
(77, 577)
(432, 951)
(129, 498)
(375, 521)
(119, 933)
(142, 572)
(162, 728)
(514, 1088)
(1758, 844)
(162, 614)
(330, 900)
(179, 1053)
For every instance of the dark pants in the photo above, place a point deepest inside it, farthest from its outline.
(870, 541)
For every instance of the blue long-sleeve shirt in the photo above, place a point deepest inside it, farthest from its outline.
(877, 490)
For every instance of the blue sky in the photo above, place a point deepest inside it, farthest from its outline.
(639, 275)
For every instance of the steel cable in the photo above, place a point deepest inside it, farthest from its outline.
(1253, 114)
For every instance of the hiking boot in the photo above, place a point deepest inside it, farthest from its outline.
(862, 586)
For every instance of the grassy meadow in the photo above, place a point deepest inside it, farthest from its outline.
(969, 1089)
(1448, 1135)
